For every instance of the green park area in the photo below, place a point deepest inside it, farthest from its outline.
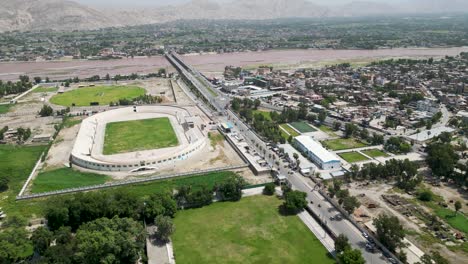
(65, 178)
(99, 94)
(374, 153)
(249, 231)
(456, 220)
(45, 89)
(289, 130)
(343, 143)
(302, 127)
(137, 135)
(265, 114)
(4, 109)
(352, 157)
(327, 130)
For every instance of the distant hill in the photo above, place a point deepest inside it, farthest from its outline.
(68, 15)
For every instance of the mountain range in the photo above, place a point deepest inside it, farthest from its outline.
(68, 15)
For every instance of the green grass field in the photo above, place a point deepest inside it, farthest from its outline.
(327, 130)
(4, 109)
(129, 136)
(102, 94)
(72, 121)
(302, 127)
(289, 130)
(249, 231)
(457, 221)
(45, 89)
(16, 163)
(65, 178)
(374, 153)
(352, 157)
(343, 143)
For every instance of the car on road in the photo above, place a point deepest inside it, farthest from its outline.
(365, 235)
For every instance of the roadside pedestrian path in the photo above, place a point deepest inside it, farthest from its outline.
(318, 231)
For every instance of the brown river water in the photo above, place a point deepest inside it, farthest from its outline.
(208, 62)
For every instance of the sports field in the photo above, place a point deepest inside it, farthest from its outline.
(373, 153)
(353, 157)
(289, 130)
(65, 178)
(302, 127)
(342, 143)
(249, 231)
(137, 135)
(101, 94)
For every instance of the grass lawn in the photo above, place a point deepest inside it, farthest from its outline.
(16, 163)
(327, 130)
(102, 94)
(302, 127)
(373, 153)
(265, 114)
(45, 89)
(72, 121)
(249, 231)
(129, 136)
(353, 157)
(289, 130)
(215, 138)
(65, 178)
(4, 109)
(343, 143)
(457, 221)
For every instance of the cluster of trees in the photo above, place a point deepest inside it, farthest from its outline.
(443, 161)
(46, 110)
(20, 86)
(348, 202)
(23, 134)
(397, 145)
(142, 99)
(391, 233)
(404, 172)
(345, 254)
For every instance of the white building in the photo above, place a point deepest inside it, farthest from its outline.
(317, 153)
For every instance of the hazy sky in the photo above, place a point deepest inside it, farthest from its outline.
(165, 2)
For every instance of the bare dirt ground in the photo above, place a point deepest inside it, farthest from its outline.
(180, 95)
(60, 151)
(159, 87)
(451, 193)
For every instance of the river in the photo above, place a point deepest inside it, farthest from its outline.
(209, 62)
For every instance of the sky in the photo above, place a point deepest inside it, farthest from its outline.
(173, 2)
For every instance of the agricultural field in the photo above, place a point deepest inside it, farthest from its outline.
(103, 95)
(302, 127)
(249, 231)
(137, 135)
(343, 143)
(65, 178)
(352, 157)
(374, 153)
(289, 130)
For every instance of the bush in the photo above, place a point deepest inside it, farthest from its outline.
(425, 196)
(269, 189)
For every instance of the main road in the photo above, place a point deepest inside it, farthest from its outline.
(317, 202)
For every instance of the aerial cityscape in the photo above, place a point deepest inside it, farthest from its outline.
(234, 131)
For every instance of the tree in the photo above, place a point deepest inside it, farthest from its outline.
(425, 196)
(389, 231)
(164, 227)
(37, 80)
(458, 206)
(322, 116)
(160, 204)
(56, 215)
(15, 245)
(116, 240)
(350, 129)
(46, 111)
(294, 201)
(351, 256)
(231, 188)
(41, 239)
(350, 203)
(269, 189)
(336, 125)
(342, 243)
(441, 158)
(4, 180)
(433, 258)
